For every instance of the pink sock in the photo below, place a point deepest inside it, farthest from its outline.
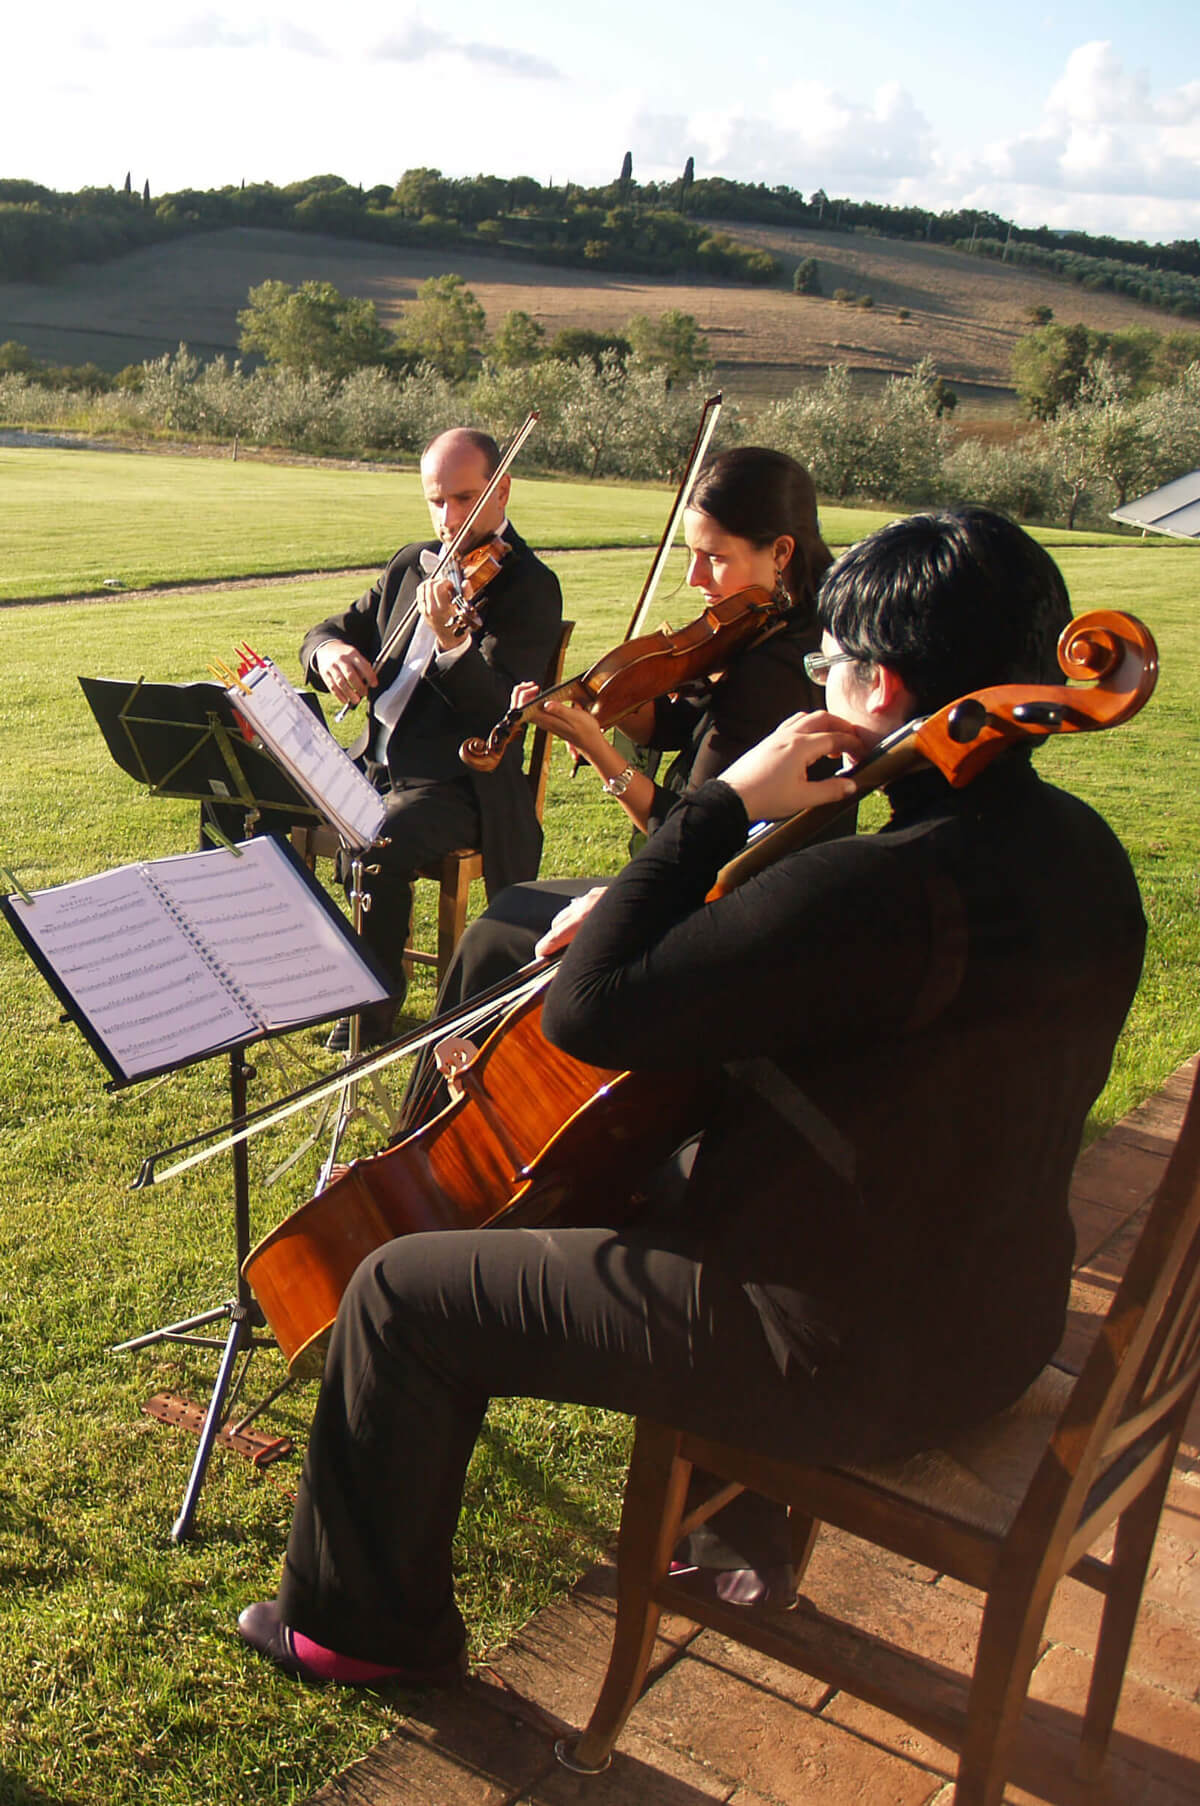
(334, 1667)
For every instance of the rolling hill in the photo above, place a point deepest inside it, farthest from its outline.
(965, 312)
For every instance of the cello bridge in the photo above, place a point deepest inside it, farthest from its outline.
(452, 1055)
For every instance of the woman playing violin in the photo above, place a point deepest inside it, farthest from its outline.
(751, 520)
(904, 1030)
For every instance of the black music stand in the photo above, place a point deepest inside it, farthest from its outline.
(242, 1313)
(138, 1035)
(186, 740)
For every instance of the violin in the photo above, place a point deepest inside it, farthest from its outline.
(445, 565)
(469, 576)
(654, 664)
(645, 666)
(532, 1134)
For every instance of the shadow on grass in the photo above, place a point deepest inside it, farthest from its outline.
(16, 1792)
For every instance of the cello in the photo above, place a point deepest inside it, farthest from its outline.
(533, 1135)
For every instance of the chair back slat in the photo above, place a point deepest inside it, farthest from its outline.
(541, 743)
(1146, 1359)
(1175, 1349)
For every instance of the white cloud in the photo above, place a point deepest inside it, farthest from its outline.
(1095, 88)
(416, 42)
(1105, 136)
(214, 31)
(806, 136)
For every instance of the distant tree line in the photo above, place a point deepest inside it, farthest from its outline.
(650, 227)
(42, 231)
(1175, 290)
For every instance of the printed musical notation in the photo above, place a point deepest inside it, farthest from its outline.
(307, 750)
(173, 959)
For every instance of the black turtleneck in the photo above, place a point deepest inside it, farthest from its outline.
(908, 1029)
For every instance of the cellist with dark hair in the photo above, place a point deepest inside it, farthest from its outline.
(905, 1031)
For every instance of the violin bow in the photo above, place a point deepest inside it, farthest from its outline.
(1111, 658)
(708, 421)
(509, 992)
(451, 552)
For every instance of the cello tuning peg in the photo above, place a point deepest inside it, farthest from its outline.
(966, 721)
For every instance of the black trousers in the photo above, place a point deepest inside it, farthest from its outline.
(425, 821)
(434, 1325)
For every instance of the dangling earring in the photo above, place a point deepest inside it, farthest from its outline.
(783, 595)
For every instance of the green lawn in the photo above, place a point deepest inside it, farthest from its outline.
(70, 520)
(120, 1678)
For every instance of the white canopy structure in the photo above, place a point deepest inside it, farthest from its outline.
(1175, 508)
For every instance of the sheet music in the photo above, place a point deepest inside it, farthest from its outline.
(132, 970)
(306, 749)
(176, 958)
(290, 965)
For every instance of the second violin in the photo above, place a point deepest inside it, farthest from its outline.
(654, 664)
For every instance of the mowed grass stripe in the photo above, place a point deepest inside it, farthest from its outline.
(72, 520)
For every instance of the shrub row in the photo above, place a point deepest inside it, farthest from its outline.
(607, 421)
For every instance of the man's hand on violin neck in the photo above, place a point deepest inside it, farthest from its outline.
(344, 671)
(436, 601)
(772, 778)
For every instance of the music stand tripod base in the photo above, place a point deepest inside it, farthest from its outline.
(242, 1313)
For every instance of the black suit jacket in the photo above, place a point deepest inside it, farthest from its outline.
(521, 613)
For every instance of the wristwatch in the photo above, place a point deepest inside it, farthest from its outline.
(620, 784)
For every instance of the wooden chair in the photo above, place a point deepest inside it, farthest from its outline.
(454, 872)
(1008, 1509)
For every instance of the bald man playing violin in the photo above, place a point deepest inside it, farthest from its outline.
(446, 677)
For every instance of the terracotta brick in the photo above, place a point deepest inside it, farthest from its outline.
(1089, 1301)
(1040, 1769)
(1173, 1577)
(1155, 1730)
(893, 1599)
(559, 1658)
(1074, 1616)
(742, 1716)
(837, 1554)
(1165, 1650)
(650, 1773)
(1043, 1774)
(1181, 1513)
(1158, 1119)
(459, 1756)
(1118, 1171)
(1095, 1222)
(959, 1588)
(1107, 1265)
(892, 1734)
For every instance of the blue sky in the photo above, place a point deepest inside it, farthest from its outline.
(1068, 114)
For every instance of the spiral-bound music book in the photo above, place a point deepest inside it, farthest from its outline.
(307, 751)
(174, 959)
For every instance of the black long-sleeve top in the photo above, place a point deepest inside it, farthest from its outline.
(910, 1028)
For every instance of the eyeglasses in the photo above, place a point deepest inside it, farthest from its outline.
(818, 665)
